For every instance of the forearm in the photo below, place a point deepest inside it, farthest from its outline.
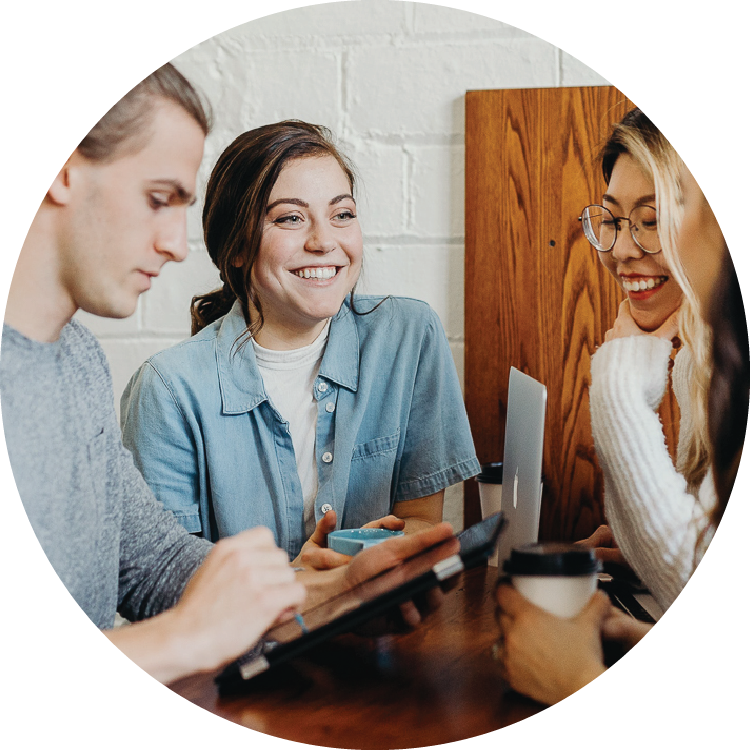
(159, 648)
(420, 513)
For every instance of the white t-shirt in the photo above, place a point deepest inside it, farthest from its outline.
(289, 378)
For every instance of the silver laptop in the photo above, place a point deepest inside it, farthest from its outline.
(522, 462)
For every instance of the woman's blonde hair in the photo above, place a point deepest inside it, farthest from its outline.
(638, 137)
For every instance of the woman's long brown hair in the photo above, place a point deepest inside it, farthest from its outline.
(729, 390)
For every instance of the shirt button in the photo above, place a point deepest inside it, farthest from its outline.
(325, 508)
(330, 406)
(322, 387)
(327, 457)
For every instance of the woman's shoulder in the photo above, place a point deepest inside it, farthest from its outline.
(187, 357)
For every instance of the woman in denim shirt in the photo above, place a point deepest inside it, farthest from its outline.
(297, 404)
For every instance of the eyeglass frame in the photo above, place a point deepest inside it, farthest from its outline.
(617, 220)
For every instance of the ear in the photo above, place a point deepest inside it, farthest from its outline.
(60, 190)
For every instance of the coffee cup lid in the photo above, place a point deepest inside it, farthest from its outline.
(552, 559)
(491, 473)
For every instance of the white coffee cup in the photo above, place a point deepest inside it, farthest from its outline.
(490, 481)
(559, 578)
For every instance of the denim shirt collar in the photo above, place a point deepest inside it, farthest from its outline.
(240, 381)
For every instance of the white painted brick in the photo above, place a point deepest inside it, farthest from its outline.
(434, 274)
(381, 197)
(436, 19)
(126, 356)
(166, 309)
(109, 327)
(575, 73)
(332, 19)
(419, 89)
(436, 188)
(207, 66)
(195, 220)
(249, 87)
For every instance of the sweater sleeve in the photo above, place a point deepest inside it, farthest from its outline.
(653, 517)
(157, 556)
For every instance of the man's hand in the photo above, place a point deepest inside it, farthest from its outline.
(241, 588)
(545, 657)
(244, 584)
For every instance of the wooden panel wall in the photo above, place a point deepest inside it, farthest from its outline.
(536, 295)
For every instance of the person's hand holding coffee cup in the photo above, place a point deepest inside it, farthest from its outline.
(544, 656)
(551, 618)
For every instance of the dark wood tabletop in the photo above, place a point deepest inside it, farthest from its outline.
(434, 685)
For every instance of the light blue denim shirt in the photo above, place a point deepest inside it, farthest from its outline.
(391, 425)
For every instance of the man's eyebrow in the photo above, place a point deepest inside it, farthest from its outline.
(294, 201)
(183, 196)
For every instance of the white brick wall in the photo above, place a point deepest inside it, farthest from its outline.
(389, 79)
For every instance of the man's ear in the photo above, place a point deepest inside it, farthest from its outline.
(59, 191)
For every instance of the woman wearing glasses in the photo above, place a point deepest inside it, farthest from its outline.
(647, 501)
(656, 509)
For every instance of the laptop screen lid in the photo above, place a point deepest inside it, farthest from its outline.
(522, 462)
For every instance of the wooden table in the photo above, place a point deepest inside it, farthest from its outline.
(435, 685)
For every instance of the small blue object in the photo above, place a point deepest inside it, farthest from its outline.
(352, 541)
(301, 622)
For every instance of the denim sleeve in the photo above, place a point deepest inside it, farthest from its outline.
(163, 444)
(438, 448)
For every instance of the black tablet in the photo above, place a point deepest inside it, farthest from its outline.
(352, 608)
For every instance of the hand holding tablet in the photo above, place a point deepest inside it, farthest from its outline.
(376, 581)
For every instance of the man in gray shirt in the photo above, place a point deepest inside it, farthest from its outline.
(112, 217)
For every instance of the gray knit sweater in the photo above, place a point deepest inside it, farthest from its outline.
(112, 544)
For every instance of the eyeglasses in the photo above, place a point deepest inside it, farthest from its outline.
(600, 227)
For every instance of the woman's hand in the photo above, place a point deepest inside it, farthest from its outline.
(626, 326)
(602, 541)
(315, 553)
(623, 628)
(323, 585)
(545, 657)
(391, 523)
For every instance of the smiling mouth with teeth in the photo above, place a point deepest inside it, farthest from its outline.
(644, 284)
(318, 272)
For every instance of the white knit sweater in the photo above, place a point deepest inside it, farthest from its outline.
(655, 517)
